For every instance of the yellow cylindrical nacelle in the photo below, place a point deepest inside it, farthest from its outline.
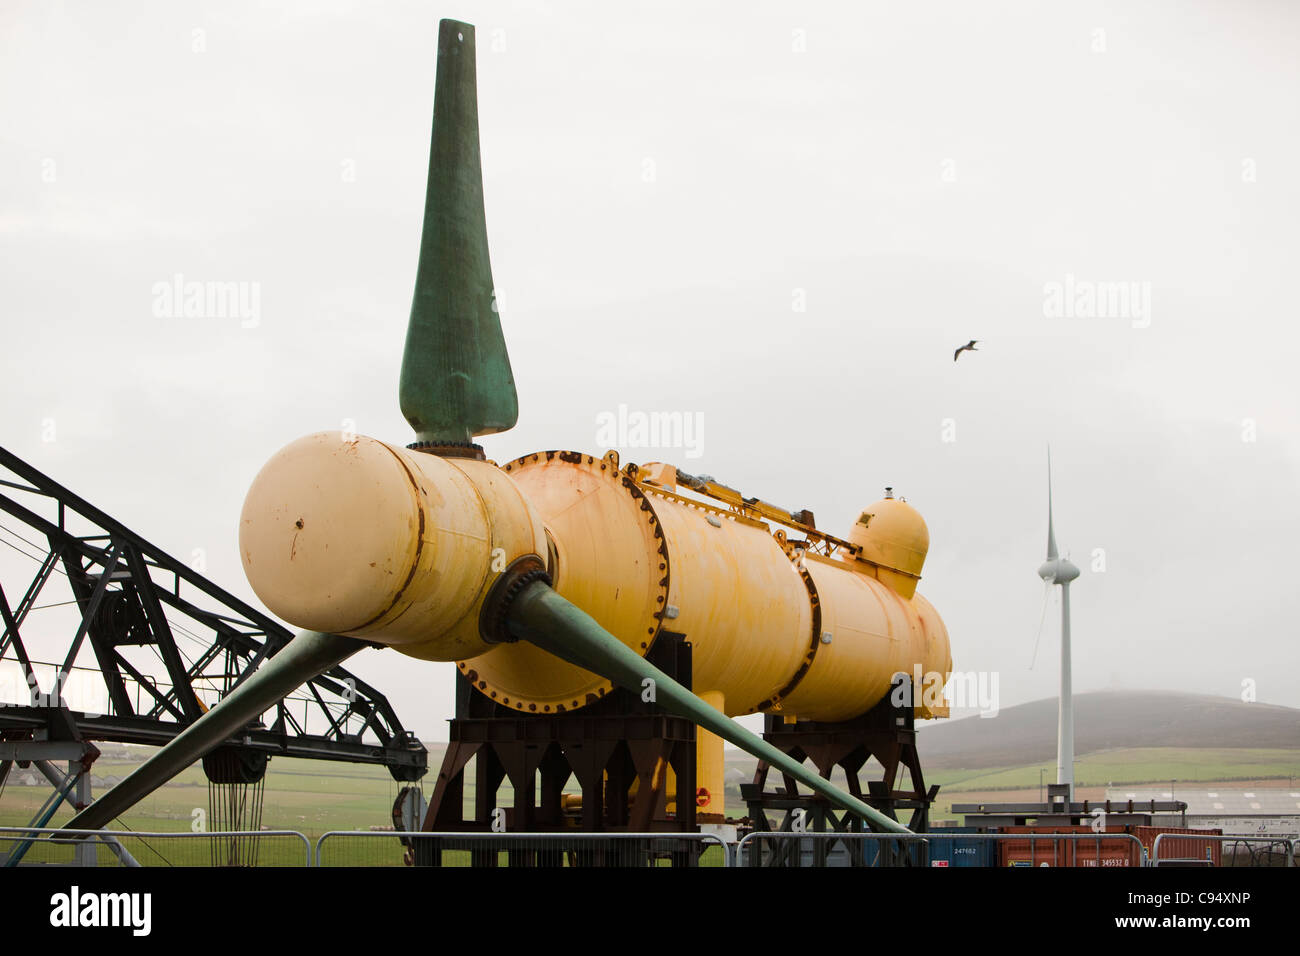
(361, 538)
(771, 629)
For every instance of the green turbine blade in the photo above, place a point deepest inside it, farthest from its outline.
(308, 655)
(542, 617)
(456, 380)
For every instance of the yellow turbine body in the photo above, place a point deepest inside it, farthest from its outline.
(401, 547)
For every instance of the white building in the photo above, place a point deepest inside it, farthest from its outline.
(1263, 812)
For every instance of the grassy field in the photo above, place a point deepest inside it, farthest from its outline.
(308, 796)
(1100, 769)
(313, 797)
(1145, 765)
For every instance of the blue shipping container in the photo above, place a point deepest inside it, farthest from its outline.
(948, 850)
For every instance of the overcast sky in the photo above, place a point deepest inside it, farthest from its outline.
(779, 217)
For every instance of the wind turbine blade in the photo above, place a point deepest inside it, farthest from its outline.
(1042, 618)
(1051, 532)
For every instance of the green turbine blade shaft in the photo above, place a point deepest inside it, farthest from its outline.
(308, 655)
(456, 380)
(542, 617)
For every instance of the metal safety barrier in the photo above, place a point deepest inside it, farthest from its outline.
(1181, 841)
(854, 849)
(52, 846)
(786, 848)
(407, 848)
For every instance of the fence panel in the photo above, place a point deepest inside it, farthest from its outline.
(1176, 849)
(831, 849)
(392, 848)
(937, 849)
(51, 846)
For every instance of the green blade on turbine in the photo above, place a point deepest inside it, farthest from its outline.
(542, 617)
(308, 655)
(456, 380)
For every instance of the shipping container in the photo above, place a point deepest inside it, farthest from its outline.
(1206, 852)
(1108, 849)
(948, 849)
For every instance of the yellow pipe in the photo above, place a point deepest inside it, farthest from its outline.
(710, 767)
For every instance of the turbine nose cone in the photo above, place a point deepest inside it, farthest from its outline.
(357, 537)
(317, 535)
(1058, 571)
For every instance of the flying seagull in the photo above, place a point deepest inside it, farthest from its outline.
(968, 347)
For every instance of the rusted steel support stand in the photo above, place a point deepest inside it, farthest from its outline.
(887, 733)
(619, 750)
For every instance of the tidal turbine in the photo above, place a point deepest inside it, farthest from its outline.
(549, 578)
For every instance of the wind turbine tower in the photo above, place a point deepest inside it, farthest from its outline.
(1058, 570)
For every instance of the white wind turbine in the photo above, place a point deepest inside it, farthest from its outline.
(1058, 570)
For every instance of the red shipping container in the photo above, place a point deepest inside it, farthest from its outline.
(1102, 850)
(1181, 849)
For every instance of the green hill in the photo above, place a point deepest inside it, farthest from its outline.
(1108, 720)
